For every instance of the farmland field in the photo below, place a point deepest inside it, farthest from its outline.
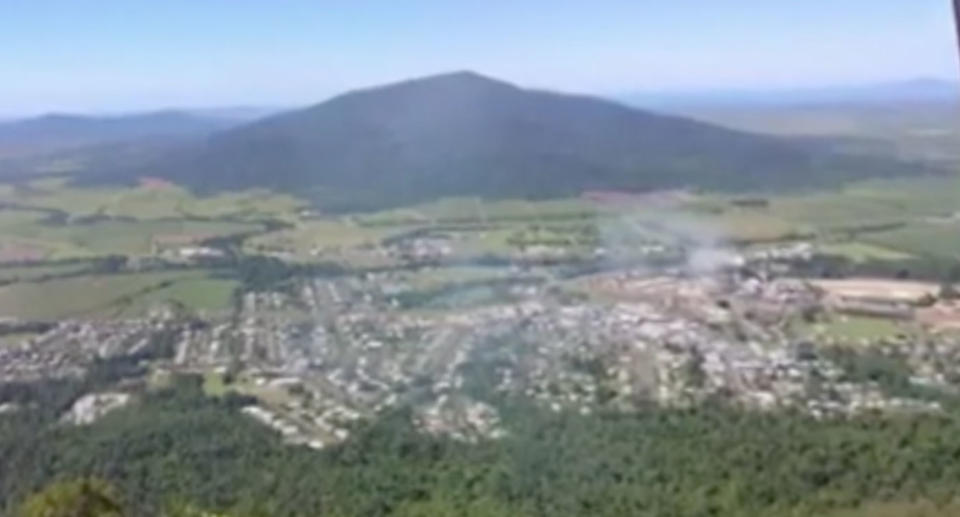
(869, 220)
(94, 295)
(15, 338)
(331, 235)
(870, 213)
(480, 211)
(24, 273)
(49, 220)
(838, 211)
(863, 252)
(113, 237)
(860, 327)
(147, 201)
(199, 295)
(940, 240)
(849, 329)
(880, 220)
(213, 384)
(866, 203)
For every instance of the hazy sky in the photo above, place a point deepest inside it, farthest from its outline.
(113, 55)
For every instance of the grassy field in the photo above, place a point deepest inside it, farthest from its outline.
(498, 221)
(481, 211)
(214, 385)
(858, 328)
(341, 239)
(14, 218)
(109, 237)
(733, 224)
(920, 196)
(322, 235)
(15, 338)
(848, 221)
(107, 295)
(742, 225)
(250, 204)
(206, 296)
(862, 252)
(940, 240)
(149, 201)
(500, 227)
(148, 213)
(837, 211)
(875, 202)
(26, 273)
(901, 509)
(493, 241)
(869, 220)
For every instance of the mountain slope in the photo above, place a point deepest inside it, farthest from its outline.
(464, 134)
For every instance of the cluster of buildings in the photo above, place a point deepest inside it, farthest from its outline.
(331, 351)
(343, 352)
(70, 347)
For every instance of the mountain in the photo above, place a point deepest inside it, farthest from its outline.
(465, 134)
(57, 132)
(921, 90)
(238, 114)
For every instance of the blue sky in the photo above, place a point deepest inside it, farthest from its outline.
(116, 55)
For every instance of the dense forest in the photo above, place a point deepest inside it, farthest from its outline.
(178, 448)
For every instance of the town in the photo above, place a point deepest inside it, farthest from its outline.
(327, 351)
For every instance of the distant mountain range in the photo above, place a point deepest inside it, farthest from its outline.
(237, 114)
(464, 134)
(53, 133)
(914, 90)
(57, 132)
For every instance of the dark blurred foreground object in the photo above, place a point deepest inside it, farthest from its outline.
(956, 20)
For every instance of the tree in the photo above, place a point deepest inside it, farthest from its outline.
(444, 505)
(79, 498)
(188, 510)
(112, 264)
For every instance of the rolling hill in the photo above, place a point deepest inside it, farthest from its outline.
(465, 134)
